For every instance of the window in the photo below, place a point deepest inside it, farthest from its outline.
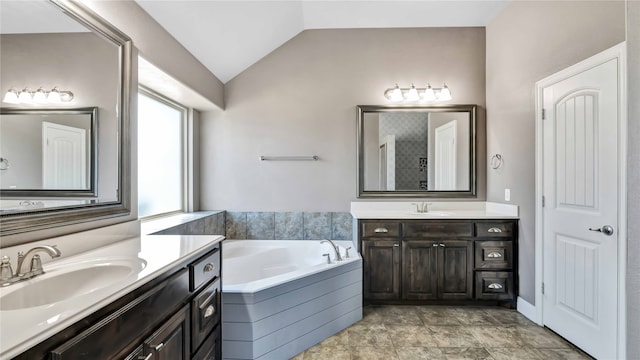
(161, 152)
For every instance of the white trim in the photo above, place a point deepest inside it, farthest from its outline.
(616, 52)
(529, 311)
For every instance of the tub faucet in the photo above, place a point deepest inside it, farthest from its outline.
(335, 248)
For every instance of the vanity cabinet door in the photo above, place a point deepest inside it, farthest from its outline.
(381, 269)
(171, 341)
(419, 270)
(455, 269)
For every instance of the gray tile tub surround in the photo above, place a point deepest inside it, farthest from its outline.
(208, 225)
(289, 225)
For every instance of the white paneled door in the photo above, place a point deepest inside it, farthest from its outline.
(64, 162)
(445, 156)
(581, 205)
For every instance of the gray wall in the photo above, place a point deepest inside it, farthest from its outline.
(157, 46)
(633, 185)
(301, 100)
(528, 41)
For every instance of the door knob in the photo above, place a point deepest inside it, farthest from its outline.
(607, 230)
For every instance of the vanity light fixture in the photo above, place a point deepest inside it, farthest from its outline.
(413, 94)
(40, 96)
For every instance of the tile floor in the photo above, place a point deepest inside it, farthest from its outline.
(442, 332)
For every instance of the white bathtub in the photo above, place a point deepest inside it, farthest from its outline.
(281, 296)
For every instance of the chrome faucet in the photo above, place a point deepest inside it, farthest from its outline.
(335, 248)
(24, 271)
(422, 207)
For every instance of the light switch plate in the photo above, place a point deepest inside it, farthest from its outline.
(507, 194)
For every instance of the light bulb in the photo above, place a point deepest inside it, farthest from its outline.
(25, 97)
(11, 97)
(412, 95)
(54, 96)
(429, 95)
(40, 96)
(396, 94)
(445, 94)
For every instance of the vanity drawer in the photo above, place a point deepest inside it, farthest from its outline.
(438, 229)
(205, 313)
(495, 229)
(380, 229)
(494, 285)
(493, 254)
(204, 270)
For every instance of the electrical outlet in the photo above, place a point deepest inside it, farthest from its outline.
(507, 194)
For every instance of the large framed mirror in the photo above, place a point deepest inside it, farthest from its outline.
(62, 44)
(417, 151)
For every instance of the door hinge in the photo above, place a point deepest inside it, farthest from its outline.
(544, 114)
(542, 288)
(542, 201)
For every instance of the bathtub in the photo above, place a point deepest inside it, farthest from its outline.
(279, 297)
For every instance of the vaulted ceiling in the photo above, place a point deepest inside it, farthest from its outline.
(229, 36)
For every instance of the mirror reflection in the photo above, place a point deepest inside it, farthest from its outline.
(64, 54)
(417, 151)
(63, 45)
(48, 150)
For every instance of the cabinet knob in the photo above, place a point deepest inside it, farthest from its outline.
(209, 311)
(494, 254)
(381, 230)
(494, 230)
(208, 268)
(495, 286)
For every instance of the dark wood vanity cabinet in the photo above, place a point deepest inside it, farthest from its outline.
(174, 317)
(382, 272)
(438, 260)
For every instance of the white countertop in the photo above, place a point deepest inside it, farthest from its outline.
(437, 210)
(25, 328)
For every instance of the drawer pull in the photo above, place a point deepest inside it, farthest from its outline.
(495, 286)
(208, 268)
(159, 346)
(381, 230)
(494, 230)
(149, 356)
(396, 245)
(209, 311)
(494, 254)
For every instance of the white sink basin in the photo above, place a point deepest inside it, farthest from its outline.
(67, 281)
(431, 213)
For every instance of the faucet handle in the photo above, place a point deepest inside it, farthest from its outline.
(6, 272)
(347, 252)
(328, 258)
(36, 265)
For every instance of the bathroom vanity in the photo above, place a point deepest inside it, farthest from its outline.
(167, 308)
(467, 253)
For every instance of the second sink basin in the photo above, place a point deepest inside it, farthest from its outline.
(68, 281)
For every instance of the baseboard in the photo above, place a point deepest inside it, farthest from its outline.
(529, 311)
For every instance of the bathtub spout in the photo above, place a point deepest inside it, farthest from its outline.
(335, 248)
